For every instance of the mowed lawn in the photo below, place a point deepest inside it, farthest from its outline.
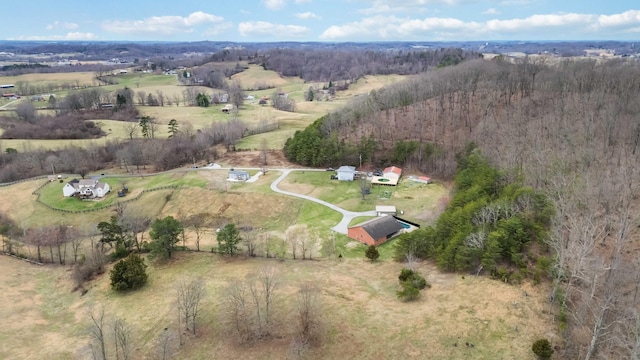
(414, 200)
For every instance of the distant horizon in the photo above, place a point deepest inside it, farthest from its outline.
(324, 21)
(316, 41)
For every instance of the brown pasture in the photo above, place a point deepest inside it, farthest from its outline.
(360, 313)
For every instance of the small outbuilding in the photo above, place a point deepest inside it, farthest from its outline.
(383, 210)
(346, 173)
(421, 179)
(392, 172)
(376, 231)
(390, 176)
(238, 175)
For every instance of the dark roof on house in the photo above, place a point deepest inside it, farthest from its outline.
(381, 227)
(74, 181)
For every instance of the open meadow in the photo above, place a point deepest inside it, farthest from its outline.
(361, 317)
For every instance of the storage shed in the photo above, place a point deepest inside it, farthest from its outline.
(346, 173)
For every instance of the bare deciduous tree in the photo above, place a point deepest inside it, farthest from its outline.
(98, 334)
(197, 222)
(308, 311)
(168, 344)
(250, 305)
(189, 294)
(264, 151)
(122, 339)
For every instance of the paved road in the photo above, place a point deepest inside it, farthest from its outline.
(347, 216)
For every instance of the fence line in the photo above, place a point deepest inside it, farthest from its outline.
(137, 197)
(24, 180)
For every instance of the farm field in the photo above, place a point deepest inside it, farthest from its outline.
(251, 113)
(82, 78)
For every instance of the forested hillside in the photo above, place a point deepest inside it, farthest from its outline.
(570, 130)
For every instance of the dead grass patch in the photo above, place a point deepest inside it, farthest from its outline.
(364, 319)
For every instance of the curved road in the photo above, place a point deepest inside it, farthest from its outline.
(341, 227)
(347, 216)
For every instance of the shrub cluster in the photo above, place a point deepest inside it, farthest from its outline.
(542, 348)
(411, 283)
(129, 274)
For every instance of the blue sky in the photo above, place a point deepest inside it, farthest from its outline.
(322, 20)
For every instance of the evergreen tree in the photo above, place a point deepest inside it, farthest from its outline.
(372, 253)
(173, 127)
(144, 126)
(202, 100)
(129, 274)
(228, 239)
(164, 234)
(543, 349)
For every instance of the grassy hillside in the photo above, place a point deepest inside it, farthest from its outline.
(361, 315)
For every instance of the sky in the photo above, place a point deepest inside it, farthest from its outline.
(321, 20)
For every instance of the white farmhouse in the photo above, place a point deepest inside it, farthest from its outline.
(85, 188)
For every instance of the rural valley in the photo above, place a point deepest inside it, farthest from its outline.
(327, 201)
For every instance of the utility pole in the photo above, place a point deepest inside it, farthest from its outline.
(360, 155)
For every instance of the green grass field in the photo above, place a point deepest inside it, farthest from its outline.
(415, 200)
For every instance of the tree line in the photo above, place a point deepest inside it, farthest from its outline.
(327, 65)
(490, 226)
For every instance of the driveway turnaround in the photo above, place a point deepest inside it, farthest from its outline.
(347, 216)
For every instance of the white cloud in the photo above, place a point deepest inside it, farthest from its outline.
(516, 2)
(274, 4)
(491, 11)
(162, 25)
(441, 28)
(302, 1)
(68, 36)
(267, 29)
(630, 17)
(539, 21)
(307, 15)
(80, 36)
(407, 6)
(394, 28)
(62, 25)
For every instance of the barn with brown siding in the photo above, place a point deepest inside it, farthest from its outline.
(375, 231)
